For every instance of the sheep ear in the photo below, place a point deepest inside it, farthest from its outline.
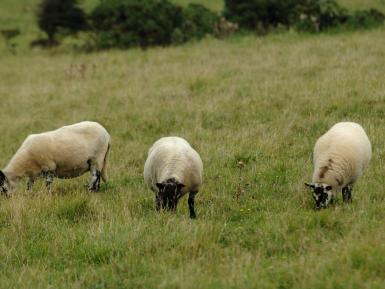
(2, 177)
(310, 185)
(160, 186)
(180, 186)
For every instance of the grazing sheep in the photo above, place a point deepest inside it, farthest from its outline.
(340, 157)
(172, 169)
(67, 152)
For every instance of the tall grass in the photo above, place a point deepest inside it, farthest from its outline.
(262, 101)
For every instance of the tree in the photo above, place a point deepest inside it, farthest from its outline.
(60, 14)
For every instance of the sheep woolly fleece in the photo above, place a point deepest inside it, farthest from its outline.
(341, 155)
(173, 157)
(68, 152)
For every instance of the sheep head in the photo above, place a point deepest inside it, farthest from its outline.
(322, 194)
(169, 193)
(4, 184)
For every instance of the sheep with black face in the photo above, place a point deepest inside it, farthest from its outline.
(172, 169)
(67, 152)
(340, 157)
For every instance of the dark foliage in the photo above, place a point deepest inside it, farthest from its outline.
(144, 23)
(127, 23)
(197, 22)
(250, 14)
(366, 19)
(64, 15)
(305, 15)
(320, 15)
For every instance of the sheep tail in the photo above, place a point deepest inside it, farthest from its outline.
(104, 169)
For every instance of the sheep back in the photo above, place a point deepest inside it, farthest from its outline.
(66, 151)
(173, 157)
(341, 155)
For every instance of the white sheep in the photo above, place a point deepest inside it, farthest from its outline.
(172, 169)
(67, 152)
(340, 157)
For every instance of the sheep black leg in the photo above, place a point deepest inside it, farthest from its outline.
(157, 202)
(95, 181)
(48, 180)
(191, 200)
(30, 183)
(347, 193)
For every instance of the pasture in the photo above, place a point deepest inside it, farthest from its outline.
(263, 101)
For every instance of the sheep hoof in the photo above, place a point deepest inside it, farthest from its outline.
(93, 189)
(347, 194)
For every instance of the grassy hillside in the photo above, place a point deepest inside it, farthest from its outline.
(21, 15)
(263, 101)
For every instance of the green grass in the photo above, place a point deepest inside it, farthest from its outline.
(264, 101)
(21, 15)
(359, 4)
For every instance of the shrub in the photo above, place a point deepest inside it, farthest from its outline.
(127, 23)
(224, 28)
(365, 19)
(197, 22)
(327, 14)
(60, 14)
(331, 14)
(320, 15)
(305, 15)
(250, 14)
(271, 13)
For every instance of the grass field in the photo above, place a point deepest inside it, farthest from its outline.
(263, 101)
(21, 14)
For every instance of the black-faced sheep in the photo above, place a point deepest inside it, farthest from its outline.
(340, 157)
(172, 169)
(67, 152)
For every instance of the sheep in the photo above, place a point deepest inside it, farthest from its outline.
(340, 157)
(172, 169)
(67, 152)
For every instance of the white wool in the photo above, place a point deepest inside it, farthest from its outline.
(341, 155)
(67, 152)
(173, 157)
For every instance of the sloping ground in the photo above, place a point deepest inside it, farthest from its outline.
(21, 15)
(262, 101)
